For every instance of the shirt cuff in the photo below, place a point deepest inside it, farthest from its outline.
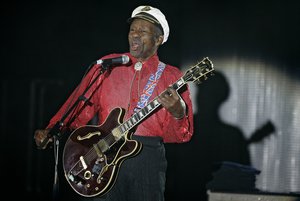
(184, 109)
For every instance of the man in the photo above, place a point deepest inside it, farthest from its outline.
(131, 87)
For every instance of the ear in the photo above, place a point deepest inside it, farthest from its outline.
(159, 40)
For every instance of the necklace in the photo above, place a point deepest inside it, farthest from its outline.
(138, 65)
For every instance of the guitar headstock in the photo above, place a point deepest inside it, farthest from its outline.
(199, 72)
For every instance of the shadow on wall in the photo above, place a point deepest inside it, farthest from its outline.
(191, 164)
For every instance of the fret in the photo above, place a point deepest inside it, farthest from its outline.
(122, 128)
(133, 119)
(175, 86)
(180, 83)
(149, 108)
(152, 104)
(129, 123)
(146, 110)
(126, 126)
(156, 103)
(140, 114)
(136, 117)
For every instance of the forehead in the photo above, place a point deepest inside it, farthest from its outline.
(142, 23)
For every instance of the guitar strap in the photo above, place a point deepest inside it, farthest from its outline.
(149, 87)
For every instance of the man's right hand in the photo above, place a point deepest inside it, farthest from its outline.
(41, 138)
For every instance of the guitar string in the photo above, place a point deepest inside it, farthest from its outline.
(91, 154)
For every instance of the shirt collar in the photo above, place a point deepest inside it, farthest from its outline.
(152, 61)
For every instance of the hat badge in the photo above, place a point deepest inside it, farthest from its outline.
(146, 8)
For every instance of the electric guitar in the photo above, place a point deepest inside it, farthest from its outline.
(93, 155)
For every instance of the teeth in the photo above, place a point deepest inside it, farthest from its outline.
(134, 46)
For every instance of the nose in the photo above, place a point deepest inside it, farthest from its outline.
(135, 34)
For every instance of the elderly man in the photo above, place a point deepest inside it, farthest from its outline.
(133, 86)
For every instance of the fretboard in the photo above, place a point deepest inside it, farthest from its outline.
(147, 110)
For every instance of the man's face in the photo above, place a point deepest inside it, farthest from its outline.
(143, 39)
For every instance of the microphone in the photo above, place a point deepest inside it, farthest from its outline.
(124, 59)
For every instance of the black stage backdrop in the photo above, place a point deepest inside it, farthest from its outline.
(47, 46)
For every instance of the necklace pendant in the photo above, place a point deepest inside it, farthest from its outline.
(138, 65)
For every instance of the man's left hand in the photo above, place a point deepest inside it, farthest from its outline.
(172, 102)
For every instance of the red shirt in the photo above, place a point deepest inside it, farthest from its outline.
(121, 87)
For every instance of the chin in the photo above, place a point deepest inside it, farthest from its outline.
(134, 53)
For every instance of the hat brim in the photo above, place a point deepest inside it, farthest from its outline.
(147, 17)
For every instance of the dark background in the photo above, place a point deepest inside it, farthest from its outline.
(47, 46)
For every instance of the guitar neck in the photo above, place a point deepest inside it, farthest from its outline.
(147, 110)
(195, 73)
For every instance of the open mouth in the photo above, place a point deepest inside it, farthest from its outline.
(135, 45)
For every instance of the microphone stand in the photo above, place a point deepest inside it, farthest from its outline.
(55, 182)
(55, 131)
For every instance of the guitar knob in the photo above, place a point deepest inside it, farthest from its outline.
(103, 179)
(99, 180)
(87, 175)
